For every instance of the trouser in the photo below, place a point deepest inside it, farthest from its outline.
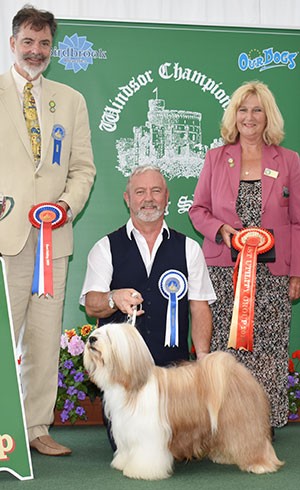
(41, 319)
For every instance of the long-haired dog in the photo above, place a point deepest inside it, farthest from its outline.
(213, 408)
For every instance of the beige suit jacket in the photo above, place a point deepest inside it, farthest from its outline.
(71, 181)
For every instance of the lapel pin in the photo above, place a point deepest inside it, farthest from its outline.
(52, 106)
(230, 161)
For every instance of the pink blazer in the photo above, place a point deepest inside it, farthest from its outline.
(215, 199)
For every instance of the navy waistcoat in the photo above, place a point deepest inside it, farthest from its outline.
(129, 272)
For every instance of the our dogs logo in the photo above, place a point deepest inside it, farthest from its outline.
(76, 53)
(255, 60)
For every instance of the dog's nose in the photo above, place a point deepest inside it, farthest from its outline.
(92, 339)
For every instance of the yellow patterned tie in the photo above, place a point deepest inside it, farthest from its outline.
(32, 122)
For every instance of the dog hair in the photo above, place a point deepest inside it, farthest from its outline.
(210, 408)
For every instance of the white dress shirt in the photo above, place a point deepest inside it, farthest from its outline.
(100, 270)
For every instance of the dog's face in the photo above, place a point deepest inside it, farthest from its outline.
(116, 353)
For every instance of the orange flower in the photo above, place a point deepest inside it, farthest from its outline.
(291, 366)
(70, 333)
(296, 354)
(85, 330)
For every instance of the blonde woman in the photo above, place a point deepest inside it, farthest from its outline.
(252, 181)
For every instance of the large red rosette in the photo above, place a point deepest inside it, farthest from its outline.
(249, 242)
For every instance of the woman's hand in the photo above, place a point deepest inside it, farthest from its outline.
(225, 232)
(294, 288)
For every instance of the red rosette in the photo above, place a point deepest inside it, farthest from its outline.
(249, 242)
(47, 212)
(246, 235)
(45, 216)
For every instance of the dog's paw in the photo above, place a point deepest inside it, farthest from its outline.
(259, 469)
(119, 462)
(145, 473)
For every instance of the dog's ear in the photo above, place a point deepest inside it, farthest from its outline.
(131, 361)
(89, 361)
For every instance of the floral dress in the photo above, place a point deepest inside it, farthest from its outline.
(272, 315)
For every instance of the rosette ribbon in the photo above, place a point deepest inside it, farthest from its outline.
(249, 242)
(45, 216)
(173, 286)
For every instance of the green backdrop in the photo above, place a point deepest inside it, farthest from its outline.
(156, 93)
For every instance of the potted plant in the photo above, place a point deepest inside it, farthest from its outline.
(74, 385)
(294, 386)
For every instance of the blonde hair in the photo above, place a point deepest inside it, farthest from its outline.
(273, 133)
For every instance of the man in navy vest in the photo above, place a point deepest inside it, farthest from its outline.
(161, 272)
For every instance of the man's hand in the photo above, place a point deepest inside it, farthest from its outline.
(127, 300)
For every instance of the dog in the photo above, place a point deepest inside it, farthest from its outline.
(210, 408)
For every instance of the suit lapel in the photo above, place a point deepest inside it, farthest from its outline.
(48, 117)
(11, 103)
(269, 161)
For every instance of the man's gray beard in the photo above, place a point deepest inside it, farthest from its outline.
(32, 71)
(149, 217)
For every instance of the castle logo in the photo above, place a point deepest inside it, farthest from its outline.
(169, 139)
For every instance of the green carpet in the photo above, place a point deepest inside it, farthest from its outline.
(89, 467)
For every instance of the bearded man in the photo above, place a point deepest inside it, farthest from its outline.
(46, 157)
(148, 266)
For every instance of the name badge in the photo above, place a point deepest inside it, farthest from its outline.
(271, 173)
(173, 286)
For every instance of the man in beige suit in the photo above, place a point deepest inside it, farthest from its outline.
(67, 180)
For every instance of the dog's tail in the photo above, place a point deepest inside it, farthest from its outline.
(215, 367)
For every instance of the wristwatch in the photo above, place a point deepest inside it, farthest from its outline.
(111, 302)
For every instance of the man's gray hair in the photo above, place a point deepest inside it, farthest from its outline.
(140, 170)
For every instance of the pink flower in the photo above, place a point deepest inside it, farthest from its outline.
(64, 340)
(76, 346)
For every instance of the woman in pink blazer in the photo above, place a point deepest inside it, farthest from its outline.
(251, 181)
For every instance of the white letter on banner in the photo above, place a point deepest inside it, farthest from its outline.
(7, 445)
(163, 71)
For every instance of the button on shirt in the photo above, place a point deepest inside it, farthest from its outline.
(100, 270)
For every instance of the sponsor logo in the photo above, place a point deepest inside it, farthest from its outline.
(269, 58)
(76, 53)
(7, 445)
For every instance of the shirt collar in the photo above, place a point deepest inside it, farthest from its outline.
(130, 228)
(21, 81)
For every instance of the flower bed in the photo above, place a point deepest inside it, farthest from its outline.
(74, 386)
(294, 387)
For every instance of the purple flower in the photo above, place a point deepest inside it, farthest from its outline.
(80, 411)
(291, 380)
(73, 371)
(76, 346)
(61, 384)
(79, 377)
(68, 364)
(293, 416)
(60, 379)
(72, 390)
(68, 405)
(297, 395)
(81, 395)
(64, 415)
